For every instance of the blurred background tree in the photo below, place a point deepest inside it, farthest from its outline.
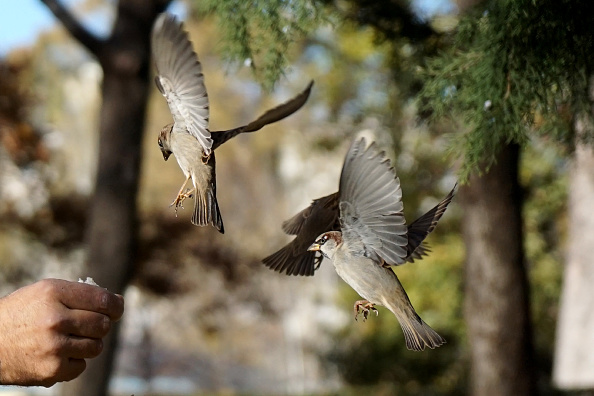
(111, 230)
(381, 68)
(516, 72)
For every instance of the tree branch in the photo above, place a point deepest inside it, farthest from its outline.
(78, 31)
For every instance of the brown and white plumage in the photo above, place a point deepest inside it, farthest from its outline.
(373, 234)
(322, 216)
(180, 79)
(294, 258)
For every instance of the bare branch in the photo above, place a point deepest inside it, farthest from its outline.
(78, 31)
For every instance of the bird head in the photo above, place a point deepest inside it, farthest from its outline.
(327, 243)
(164, 141)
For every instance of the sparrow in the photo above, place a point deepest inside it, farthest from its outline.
(322, 216)
(373, 237)
(180, 79)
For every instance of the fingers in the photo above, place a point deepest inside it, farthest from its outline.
(81, 296)
(81, 348)
(65, 369)
(48, 328)
(86, 324)
(74, 369)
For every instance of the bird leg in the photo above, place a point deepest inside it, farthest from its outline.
(364, 306)
(178, 201)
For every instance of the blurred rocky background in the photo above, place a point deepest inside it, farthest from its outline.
(203, 315)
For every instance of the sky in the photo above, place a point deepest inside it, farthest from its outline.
(21, 21)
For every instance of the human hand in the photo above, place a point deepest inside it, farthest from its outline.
(48, 328)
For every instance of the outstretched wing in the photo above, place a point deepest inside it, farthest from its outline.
(281, 111)
(421, 227)
(273, 115)
(180, 79)
(327, 204)
(371, 209)
(294, 259)
(293, 225)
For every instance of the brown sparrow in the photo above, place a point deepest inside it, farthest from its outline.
(322, 216)
(373, 237)
(180, 79)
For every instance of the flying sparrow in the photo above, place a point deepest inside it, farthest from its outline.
(373, 237)
(322, 216)
(180, 79)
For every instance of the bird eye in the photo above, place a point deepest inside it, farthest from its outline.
(160, 143)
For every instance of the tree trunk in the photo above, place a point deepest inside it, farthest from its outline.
(574, 360)
(496, 286)
(111, 234)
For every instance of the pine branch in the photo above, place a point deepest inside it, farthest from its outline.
(78, 31)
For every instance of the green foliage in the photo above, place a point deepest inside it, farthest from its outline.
(514, 67)
(262, 31)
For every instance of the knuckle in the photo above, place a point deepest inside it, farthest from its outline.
(104, 326)
(91, 348)
(48, 288)
(110, 304)
(103, 300)
(55, 321)
(96, 348)
(54, 346)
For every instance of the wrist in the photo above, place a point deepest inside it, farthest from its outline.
(7, 342)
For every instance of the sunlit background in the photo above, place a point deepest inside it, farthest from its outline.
(203, 315)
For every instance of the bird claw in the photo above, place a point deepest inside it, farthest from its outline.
(364, 307)
(178, 202)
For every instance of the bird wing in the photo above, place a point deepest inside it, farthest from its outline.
(294, 225)
(273, 115)
(421, 251)
(180, 79)
(294, 259)
(371, 209)
(421, 227)
(281, 111)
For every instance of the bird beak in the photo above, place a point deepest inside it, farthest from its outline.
(166, 155)
(314, 247)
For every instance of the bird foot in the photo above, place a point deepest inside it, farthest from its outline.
(178, 202)
(364, 306)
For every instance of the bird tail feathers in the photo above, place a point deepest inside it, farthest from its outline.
(417, 333)
(206, 211)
